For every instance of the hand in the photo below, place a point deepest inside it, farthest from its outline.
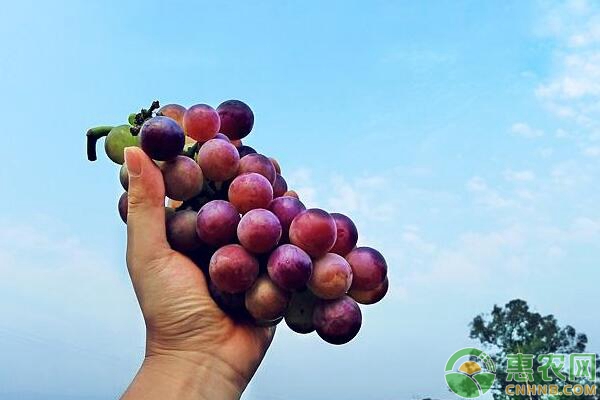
(193, 349)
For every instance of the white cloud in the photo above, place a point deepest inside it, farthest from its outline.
(524, 130)
(488, 196)
(592, 151)
(519, 176)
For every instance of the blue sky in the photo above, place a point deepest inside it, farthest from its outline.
(463, 137)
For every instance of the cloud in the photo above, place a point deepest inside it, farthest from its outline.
(524, 130)
(486, 195)
(519, 176)
(592, 151)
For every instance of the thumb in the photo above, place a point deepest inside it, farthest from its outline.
(146, 237)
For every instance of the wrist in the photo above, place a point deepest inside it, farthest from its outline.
(179, 376)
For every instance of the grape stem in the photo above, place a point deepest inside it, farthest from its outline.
(93, 134)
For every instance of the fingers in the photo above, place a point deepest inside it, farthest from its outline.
(146, 237)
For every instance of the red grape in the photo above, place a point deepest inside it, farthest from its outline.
(286, 208)
(370, 296)
(123, 206)
(161, 138)
(299, 314)
(292, 193)
(289, 267)
(331, 277)
(347, 235)
(279, 186)
(173, 111)
(201, 122)
(369, 268)
(250, 191)
(337, 321)
(217, 223)
(275, 165)
(183, 178)
(314, 231)
(257, 163)
(266, 301)
(219, 160)
(237, 119)
(181, 231)
(259, 230)
(232, 269)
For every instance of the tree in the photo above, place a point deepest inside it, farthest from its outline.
(515, 329)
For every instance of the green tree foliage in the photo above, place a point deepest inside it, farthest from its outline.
(514, 329)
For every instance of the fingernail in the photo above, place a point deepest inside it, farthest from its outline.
(133, 161)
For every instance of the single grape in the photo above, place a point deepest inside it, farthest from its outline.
(250, 191)
(257, 163)
(266, 301)
(217, 136)
(275, 165)
(218, 159)
(123, 206)
(183, 178)
(286, 208)
(217, 223)
(289, 267)
(181, 231)
(237, 119)
(369, 268)
(124, 177)
(337, 321)
(231, 303)
(259, 230)
(245, 150)
(299, 314)
(370, 296)
(291, 193)
(314, 231)
(279, 186)
(232, 269)
(201, 122)
(173, 111)
(347, 235)
(331, 277)
(117, 140)
(161, 138)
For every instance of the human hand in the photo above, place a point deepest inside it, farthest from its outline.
(193, 349)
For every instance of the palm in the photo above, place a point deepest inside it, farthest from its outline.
(182, 316)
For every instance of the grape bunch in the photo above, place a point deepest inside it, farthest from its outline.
(266, 257)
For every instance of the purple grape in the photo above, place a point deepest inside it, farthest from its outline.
(181, 231)
(259, 230)
(266, 301)
(124, 177)
(123, 206)
(299, 314)
(232, 269)
(314, 231)
(286, 208)
(369, 268)
(347, 235)
(237, 119)
(331, 277)
(337, 321)
(259, 164)
(289, 267)
(370, 296)
(219, 160)
(279, 186)
(162, 138)
(217, 223)
(250, 191)
(243, 151)
(183, 178)
(230, 303)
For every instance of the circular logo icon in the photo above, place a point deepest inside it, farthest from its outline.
(473, 377)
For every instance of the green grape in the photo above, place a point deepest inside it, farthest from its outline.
(117, 140)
